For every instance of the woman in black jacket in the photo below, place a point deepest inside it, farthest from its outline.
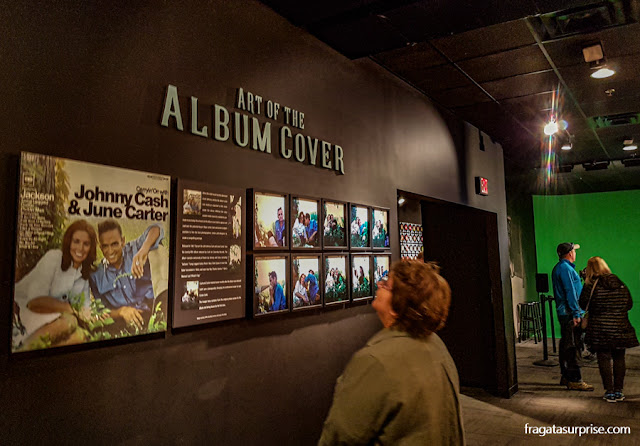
(607, 300)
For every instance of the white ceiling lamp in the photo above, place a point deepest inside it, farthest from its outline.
(594, 54)
(551, 128)
(629, 145)
(567, 146)
(602, 73)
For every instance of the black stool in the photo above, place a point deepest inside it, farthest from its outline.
(530, 321)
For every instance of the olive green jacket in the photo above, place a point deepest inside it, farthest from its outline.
(397, 390)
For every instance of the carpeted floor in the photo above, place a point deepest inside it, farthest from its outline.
(541, 401)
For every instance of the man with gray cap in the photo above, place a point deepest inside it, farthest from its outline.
(566, 290)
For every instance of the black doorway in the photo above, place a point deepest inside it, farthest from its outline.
(464, 242)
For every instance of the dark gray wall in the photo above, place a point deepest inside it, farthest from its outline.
(86, 80)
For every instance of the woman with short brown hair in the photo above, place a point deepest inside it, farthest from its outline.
(402, 387)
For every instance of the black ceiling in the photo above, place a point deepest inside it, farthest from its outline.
(501, 66)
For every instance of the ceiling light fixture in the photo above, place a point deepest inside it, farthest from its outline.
(567, 146)
(401, 201)
(551, 128)
(594, 54)
(602, 73)
(628, 144)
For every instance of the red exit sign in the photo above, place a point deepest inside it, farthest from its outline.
(482, 186)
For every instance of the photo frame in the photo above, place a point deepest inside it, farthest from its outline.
(381, 266)
(359, 223)
(336, 275)
(380, 228)
(270, 284)
(77, 247)
(306, 281)
(334, 227)
(269, 225)
(305, 223)
(361, 287)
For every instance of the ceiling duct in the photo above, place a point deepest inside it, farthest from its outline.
(631, 162)
(601, 122)
(586, 19)
(596, 165)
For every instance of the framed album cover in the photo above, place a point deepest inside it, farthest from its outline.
(270, 284)
(336, 278)
(334, 235)
(306, 286)
(359, 234)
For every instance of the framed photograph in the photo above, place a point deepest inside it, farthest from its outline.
(381, 266)
(192, 202)
(305, 229)
(92, 246)
(334, 233)
(305, 284)
(269, 220)
(361, 277)
(336, 282)
(189, 299)
(359, 234)
(270, 284)
(380, 228)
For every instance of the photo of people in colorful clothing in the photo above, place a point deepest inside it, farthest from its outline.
(333, 228)
(359, 226)
(270, 291)
(304, 231)
(335, 283)
(96, 266)
(270, 229)
(360, 277)
(306, 281)
(380, 231)
(380, 269)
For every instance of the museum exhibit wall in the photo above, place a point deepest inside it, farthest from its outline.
(89, 82)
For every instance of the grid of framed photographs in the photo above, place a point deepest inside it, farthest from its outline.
(308, 252)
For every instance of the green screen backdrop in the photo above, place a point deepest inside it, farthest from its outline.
(605, 224)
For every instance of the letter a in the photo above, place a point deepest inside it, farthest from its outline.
(172, 108)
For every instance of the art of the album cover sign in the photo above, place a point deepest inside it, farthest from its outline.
(210, 272)
(92, 253)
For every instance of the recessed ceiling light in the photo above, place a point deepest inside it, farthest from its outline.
(551, 128)
(566, 146)
(630, 147)
(602, 73)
